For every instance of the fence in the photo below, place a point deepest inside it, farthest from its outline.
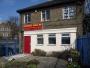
(9, 47)
(83, 45)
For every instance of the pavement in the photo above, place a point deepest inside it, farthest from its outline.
(45, 62)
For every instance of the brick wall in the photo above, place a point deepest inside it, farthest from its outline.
(56, 20)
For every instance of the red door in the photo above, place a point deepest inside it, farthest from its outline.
(27, 44)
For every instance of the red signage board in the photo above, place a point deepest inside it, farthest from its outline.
(31, 27)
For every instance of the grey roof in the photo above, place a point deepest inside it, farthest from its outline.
(45, 4)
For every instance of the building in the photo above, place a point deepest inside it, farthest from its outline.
(5, 31)
(8, 44)
(52, 25)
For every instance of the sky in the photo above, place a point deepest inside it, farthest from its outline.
(9, 7)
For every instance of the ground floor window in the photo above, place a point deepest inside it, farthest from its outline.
(65, 38)
(39, 39)
(52, 38)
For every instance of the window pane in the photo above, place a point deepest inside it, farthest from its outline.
(47, 14)
(29, 17)
(65, 34)
(72, 12)
(65, 40)
(40, 36)
(52, 35)
(25, 18)
(52, 38)
(69, 12)
(39, 39)
(43, 15)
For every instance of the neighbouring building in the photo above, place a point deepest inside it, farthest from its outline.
(52, 25)
(8, 43)
(87, 17)
(5, 31)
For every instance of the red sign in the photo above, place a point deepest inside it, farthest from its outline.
(31, 27)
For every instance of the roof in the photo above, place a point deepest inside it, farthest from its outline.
(45, 4)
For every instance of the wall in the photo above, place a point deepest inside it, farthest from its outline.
(83, 45)
(56, 20)
(47, 47)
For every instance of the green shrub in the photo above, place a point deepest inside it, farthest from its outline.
(74, 54)
(73, 65)
(33, 63)
(32, 66)
(15, 64)
(61, 55)
(39, 52)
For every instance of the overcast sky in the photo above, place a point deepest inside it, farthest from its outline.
(8, 7)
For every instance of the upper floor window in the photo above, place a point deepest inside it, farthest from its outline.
(45, 15)
(27, 18)
(69, 12)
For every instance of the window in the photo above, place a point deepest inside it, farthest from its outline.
(6, 34)
(45, 15)
(39, 39)
(52, 39)
(65, 38)
(2, 28)
(3, 34)
(69, 12)
(27, 18)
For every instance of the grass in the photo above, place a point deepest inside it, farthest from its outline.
(15, 64)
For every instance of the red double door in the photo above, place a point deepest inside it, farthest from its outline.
(27, 44)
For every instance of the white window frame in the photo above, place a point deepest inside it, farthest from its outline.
(40, 38)
(52, 37)
(3, 34)
(26, 20)
(69, 11)
(45, 12)
(67, 35)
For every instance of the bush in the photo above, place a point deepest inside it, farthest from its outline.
(73, 65)
(39, 52)
(74, 54)
(15, 64)
(33, 63)
(61, 55)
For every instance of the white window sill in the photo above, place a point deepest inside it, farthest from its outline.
(65, 44)
(51, 44)
(45, 20)
(39, 45)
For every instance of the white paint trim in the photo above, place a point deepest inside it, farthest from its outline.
(46, 31)
(41, 17)
(24, 18)
(48, 47)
